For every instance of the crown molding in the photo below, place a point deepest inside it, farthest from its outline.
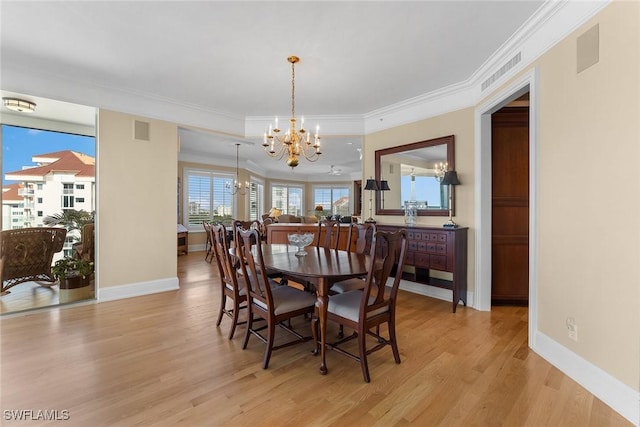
(551, 23)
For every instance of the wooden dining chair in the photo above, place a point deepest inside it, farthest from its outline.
(375, 305)
(275, 304)
(233, 286)
(363, 234)
(209, 244)
(331, 236)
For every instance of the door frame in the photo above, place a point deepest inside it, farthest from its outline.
(528, 82)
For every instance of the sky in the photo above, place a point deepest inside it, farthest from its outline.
(20, 144)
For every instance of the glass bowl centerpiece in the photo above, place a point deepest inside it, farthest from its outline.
(300, 241)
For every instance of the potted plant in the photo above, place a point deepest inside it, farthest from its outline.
(72, 273)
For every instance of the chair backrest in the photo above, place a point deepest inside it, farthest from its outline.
(364, 234)
(226, 266)
(388, 251)
(263, 228)
(331, 236)
(86, 245)
(250, 255)
(27, 254)
(207, 230)
(245, 225)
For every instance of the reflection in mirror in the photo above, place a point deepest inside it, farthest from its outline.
(414, 172)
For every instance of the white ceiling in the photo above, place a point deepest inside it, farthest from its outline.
(225, 63)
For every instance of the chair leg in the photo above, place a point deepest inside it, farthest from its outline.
(249, 327)
(223, 304)
(362, 347)
(234, 318)
(394, 342)
(271, 331)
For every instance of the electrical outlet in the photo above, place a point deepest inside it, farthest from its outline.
(572, 328)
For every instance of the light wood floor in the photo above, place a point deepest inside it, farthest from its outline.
(159, 360)
(30, 295)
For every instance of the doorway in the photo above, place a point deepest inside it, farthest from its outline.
(510, 203)
(527, 82)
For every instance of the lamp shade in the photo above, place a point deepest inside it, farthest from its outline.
(371, 184)
(384, 186)
(275, 212)
(450, 178)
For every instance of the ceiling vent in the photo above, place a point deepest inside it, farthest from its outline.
(502, 71)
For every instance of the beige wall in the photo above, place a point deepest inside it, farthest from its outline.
(589, 191)
(136, 214)
(589, 216)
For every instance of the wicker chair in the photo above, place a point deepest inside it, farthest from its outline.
(27, 255)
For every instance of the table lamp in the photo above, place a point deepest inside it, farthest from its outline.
(371, 185)
(384, 186)
(450, 179)
(275, 213)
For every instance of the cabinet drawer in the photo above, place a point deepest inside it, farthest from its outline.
(409, 258)
(413, 245)
(421, 260)
(438, 262)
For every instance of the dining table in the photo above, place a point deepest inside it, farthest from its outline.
(321, 267)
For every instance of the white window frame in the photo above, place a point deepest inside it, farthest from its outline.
(285, 209)
(261, 207)
(332, 187)
(211, 174)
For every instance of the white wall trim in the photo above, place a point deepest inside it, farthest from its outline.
(129, 290)
(616, 394)
(432, 291)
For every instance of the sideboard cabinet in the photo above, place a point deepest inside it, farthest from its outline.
(437, 248)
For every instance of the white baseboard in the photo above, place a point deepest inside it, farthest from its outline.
(197, 248)
(137, 289)
(616, 394)
(432, 291)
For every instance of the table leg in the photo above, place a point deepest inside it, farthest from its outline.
(323, 303)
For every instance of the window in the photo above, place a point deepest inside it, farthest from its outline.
(206, 198)
(39, 213)
(256, 200)
(39, 199)
(79, 186)
(67, 188)
(40, 186)
(333, 199)
(287, 198)
(67, 202)
(80, 199)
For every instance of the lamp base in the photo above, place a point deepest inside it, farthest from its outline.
(370, 221)
(450, 224)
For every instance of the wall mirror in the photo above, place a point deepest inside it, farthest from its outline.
(413, 173)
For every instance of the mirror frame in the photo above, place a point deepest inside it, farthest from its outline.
(449, 141)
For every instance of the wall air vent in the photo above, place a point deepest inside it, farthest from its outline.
(141, 130)
(502, 71)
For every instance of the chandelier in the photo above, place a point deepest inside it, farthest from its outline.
(237, 187)
(440, 169)
(293, 143)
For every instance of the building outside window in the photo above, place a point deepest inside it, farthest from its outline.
(207, 199)
(333, 199)
(287, 198)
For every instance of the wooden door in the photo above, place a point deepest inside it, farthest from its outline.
(510, 206)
